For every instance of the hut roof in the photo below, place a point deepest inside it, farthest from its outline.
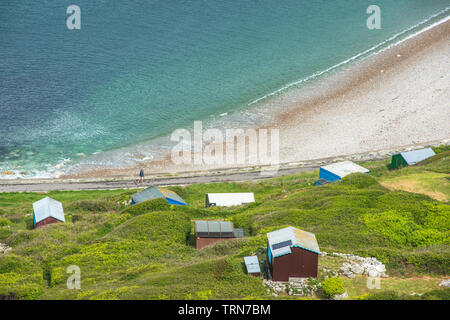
(252, 264)
(157, 193)
(46, 208)
(412, 157)
(213, 226)
(281, 241)
(344, 168)
(205, 228)
(230, 199)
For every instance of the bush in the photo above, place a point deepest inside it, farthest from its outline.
(437, 294)
(156, 226)
(384, 295)
(89, 205)
(147, 206)
(21, 286)
(360, 180)
(4, 222)
(333, 286)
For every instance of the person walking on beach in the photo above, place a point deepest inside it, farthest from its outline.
(141, 175)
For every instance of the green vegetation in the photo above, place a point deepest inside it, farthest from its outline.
(146, 251)
(333, 286)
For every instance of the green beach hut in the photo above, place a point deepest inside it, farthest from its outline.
(410, 158)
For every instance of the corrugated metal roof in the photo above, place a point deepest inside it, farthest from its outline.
(298, 238)
(213, 226)
(252, 264)
(344, 168)
(156, 193)
(230, 199)
(48, 207)
(147, 194)
(415, 156)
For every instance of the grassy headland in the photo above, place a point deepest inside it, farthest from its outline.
(146, 251)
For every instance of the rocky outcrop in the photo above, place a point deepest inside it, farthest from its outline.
(276, 286)
(4, 248)
(295, 287)
(341, 296)
(302, 287)
(361, 265)
(445, 283)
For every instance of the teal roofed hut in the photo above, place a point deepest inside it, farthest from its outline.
(47, 211)
(158, 193)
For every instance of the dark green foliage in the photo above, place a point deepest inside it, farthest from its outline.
(88, 205)
(441, 148)
(360, 180)
(437, 294)
(147, 206)
(155, 226)
(333, 286)
(435, 259)
(384, 295)
(4, 222)
(438, 163)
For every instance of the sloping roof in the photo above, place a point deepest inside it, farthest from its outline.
(171, 195)
(344, 168)
(252, 264)
(156, 193)
(282, 240)
(230, 199)
(46, 208)
(412, 157)
(205, 226)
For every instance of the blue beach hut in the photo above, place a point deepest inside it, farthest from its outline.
(337, 171)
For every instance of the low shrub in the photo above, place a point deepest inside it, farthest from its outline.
(360, 180)
(333, 286)
(147, 206)
(155, 226)
(384, 295)
(437, 294)
(4, 222)
(89, 205)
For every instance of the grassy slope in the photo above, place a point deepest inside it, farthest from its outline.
(146, 251)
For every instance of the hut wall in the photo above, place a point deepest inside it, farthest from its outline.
(46, 221)
(300, 263)
(205, 242)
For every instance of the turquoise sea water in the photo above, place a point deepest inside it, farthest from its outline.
(139, 69)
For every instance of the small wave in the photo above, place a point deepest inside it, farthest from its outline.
(368, 52)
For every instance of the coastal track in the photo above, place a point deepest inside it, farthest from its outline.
(75, 185)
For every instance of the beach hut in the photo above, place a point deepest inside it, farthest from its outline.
(410, 158)
(157, 193)
(292, 252)
(47, 211)
(228, 199)
(208, 232)
(252, 265)
(337, 171)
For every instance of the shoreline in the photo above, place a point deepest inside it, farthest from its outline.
(334, 104)
(223, 175)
